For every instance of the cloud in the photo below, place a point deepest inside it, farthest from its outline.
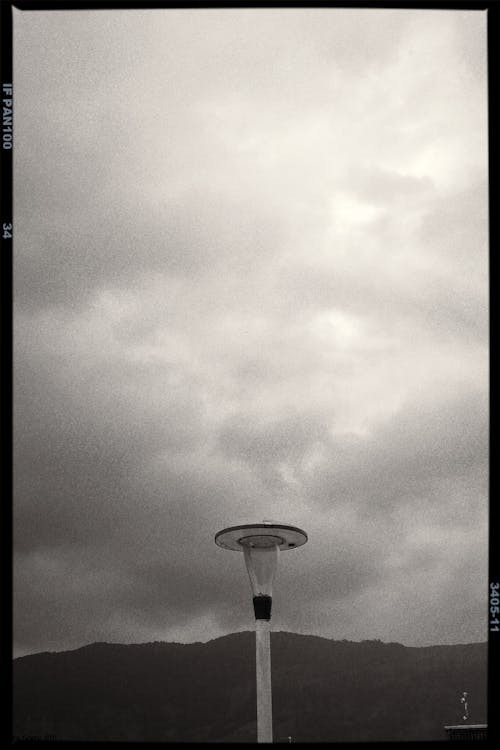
(250, 281)
(407, 458)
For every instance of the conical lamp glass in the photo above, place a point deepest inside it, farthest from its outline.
(261, 558)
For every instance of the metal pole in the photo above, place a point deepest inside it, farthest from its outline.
(263, 669)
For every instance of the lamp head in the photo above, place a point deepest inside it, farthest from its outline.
(260, 544)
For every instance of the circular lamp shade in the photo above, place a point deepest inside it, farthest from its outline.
(261, 535)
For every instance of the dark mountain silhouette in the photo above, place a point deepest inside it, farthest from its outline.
(323, 690)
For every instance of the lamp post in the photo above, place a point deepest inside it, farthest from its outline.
(261, 544)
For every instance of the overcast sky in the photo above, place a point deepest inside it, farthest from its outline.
(250, 283)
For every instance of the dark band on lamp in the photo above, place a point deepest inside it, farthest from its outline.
(262, 607)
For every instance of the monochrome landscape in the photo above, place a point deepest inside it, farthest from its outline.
(250, 282)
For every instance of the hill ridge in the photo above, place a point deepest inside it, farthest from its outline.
(251, 632)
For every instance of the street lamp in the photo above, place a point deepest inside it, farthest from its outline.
(261, 544)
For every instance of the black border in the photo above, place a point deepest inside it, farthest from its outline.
(6, 562)
(135, 5)
(493, 678)
(493, 9)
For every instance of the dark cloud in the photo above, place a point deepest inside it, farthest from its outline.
(408, 459)
(285, 439)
